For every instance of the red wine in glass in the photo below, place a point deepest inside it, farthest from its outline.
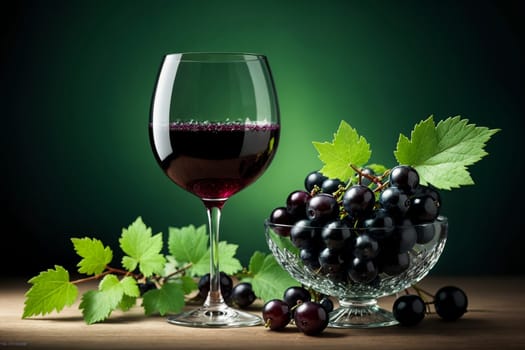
(214, 160)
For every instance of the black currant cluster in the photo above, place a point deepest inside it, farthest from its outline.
(309, 316)
(353, 232)
(240, 295)
(450, 303)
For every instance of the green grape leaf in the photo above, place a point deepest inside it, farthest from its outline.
(169, 298)
(97, 305)
(129, 286)
(142, 249)
(347, 148)
(188, 244)
(269, 280)
(228, 263)
(441, 153)
(95, 257)
(51, 290)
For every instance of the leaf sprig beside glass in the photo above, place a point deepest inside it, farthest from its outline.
(173, 276)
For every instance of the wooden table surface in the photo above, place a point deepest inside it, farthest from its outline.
(495, 320)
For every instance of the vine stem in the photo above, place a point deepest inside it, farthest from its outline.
(181, 270)
(109, 270)
(378, 180)
(421, 292)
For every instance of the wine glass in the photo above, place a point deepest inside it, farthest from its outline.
(214, 129)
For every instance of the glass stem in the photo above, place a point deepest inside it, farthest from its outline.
(214, 298)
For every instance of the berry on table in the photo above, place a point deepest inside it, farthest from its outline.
(242, 295)
(311, 318)
(409, 310)
(276, 314)
(450, 303)
(226, 283)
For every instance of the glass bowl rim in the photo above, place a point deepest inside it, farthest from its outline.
(440, 219)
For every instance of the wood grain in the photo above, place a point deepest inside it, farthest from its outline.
(495, 320)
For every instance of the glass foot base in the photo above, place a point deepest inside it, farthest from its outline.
(361, 314)
(223, 317)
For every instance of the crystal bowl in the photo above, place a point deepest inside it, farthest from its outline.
(358, 306)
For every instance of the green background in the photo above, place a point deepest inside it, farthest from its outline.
(78, 76)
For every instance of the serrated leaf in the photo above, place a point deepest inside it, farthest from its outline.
(51, 290)
(271, 280)
(188, 244)
(142, 249)
(129, 286)
(228, 263)
(441, 153)
(97, 305)
(347, 148)
(95, 257)
(169, 298)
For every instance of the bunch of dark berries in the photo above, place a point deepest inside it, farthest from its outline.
(353, 232)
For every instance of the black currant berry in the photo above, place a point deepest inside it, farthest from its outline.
(322, 208)
(296, 294)
(331, 185)
(281, 216)
(405, 177)
(335, 234)
(362, 271)
(296, 204)
(395, 202)
(276, 314)
(311, 318)
(225, 281)
(359, 201)
(242, 295)
(423, 209)
(409, 310)
(315, 178)
(450, 303)
(327, 303)
(304, 235)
